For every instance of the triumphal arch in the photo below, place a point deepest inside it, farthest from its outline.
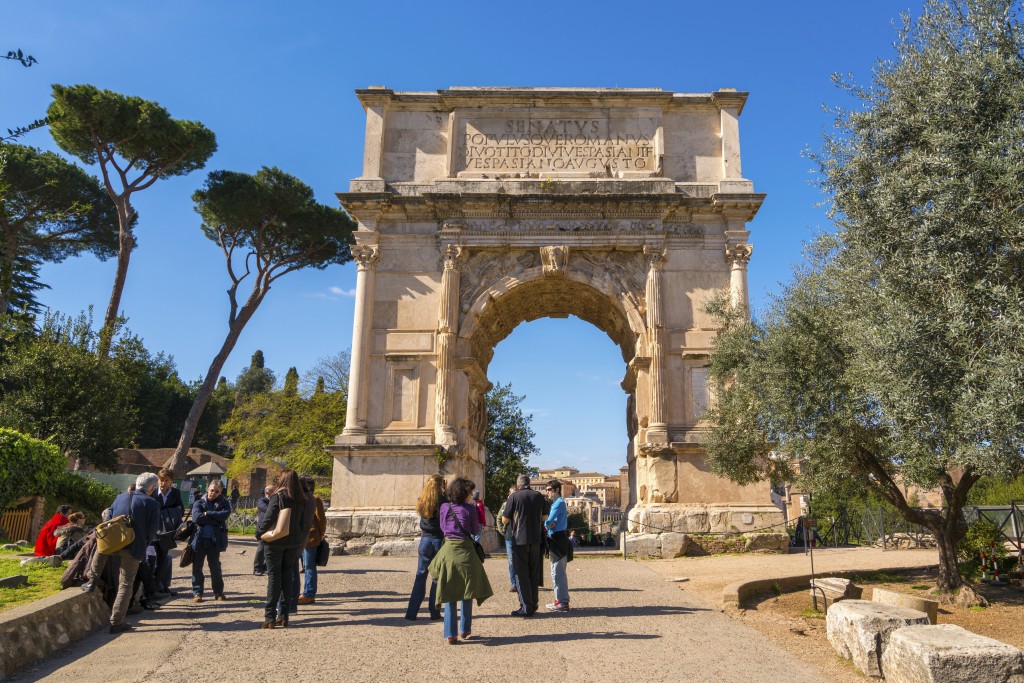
(482, 208)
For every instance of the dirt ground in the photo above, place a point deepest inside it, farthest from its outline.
(789, 621)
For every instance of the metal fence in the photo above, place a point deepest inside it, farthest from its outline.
(881, 526)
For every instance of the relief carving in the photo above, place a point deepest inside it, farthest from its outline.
(554, 260)
(483, 268)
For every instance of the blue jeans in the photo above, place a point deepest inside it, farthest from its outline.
(428, 548)
(451, 613)
(309, 568)
(511, 569)
(559, 581)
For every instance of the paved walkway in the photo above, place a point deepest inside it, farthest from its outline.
(627, 623)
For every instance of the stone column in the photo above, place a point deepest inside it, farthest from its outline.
(738, 255)
(447, 329)
(657, 429)
(365, 256)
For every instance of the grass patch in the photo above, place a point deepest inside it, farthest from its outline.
(42, 581)
(777, 588)
(20, 550)
(811, 613)
(921, 587)
(976, 608)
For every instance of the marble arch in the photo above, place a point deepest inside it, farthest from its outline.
(482, 208)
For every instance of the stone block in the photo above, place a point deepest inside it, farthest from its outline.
(949, 654)
(833, 589)
(887, 597)
(50, 561)
(674, 544)
(769, 543)
(358, 546)
(859, 630)
(643, 545)
(14, 581)
(401, 547)
(9, 546)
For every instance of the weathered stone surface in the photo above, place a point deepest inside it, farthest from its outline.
(904, 541)
(859, 630)
(358, 546)
(834, 589)
(406, 546)
(887, 597)
(9, 546)
(643, 545)
(949, 654)
(771, 543)
(674, 544)
(33, 632)
(50, 560)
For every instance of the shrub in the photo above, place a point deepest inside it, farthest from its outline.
(28, 466)
(83, 492)
(980, 536)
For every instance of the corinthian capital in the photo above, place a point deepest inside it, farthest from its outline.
(365, 255)
(738, 254)
(452, 253)
(655, 256)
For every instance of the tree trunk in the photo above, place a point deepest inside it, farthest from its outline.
(188, 432)
(126, 243)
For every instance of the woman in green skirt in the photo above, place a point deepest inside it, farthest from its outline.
(457, 568)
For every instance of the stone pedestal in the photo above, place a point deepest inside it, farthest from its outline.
(374, 492)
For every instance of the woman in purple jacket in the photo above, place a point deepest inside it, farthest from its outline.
(457, 569)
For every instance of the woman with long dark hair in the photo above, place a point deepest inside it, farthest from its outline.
(431, 538)
(281, 546)
(458, 570)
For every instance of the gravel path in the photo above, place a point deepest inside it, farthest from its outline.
(627, 623)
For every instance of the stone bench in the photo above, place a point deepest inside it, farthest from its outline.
(949, 654)
(887, 597)
(859, 630)
(834, 589)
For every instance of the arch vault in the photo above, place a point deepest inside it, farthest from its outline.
(482, 208)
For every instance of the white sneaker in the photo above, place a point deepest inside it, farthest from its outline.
(558, 607)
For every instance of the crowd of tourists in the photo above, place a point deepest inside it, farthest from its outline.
(451, 522)
(290, 529)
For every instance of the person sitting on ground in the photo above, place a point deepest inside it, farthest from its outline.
(316, 534)
(457, 568)
(46, 542)
(70, 533)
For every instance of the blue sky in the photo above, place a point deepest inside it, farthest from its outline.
(274, 81)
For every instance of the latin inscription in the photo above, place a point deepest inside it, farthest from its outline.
(542, 145)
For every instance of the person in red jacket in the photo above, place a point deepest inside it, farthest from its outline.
(481, 514)
(46, 543)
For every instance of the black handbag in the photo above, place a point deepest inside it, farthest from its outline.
(186, 556)
(323, 553)
(476, 544)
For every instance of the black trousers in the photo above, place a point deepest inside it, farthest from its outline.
(259, 563)
(279, 582)
(528, 566)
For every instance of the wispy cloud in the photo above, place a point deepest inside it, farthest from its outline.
(336, 294)
(540, 413)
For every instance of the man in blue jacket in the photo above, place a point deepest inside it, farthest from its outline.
(144, 512)
(172, 510)
(559, 546)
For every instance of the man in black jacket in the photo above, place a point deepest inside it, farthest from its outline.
(145, 516)
(172, 510)
(524, 519)
(259, 564)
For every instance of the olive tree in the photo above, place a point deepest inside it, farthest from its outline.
(895, 356)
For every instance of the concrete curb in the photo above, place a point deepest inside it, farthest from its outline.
(736, 593)
(30, 633)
